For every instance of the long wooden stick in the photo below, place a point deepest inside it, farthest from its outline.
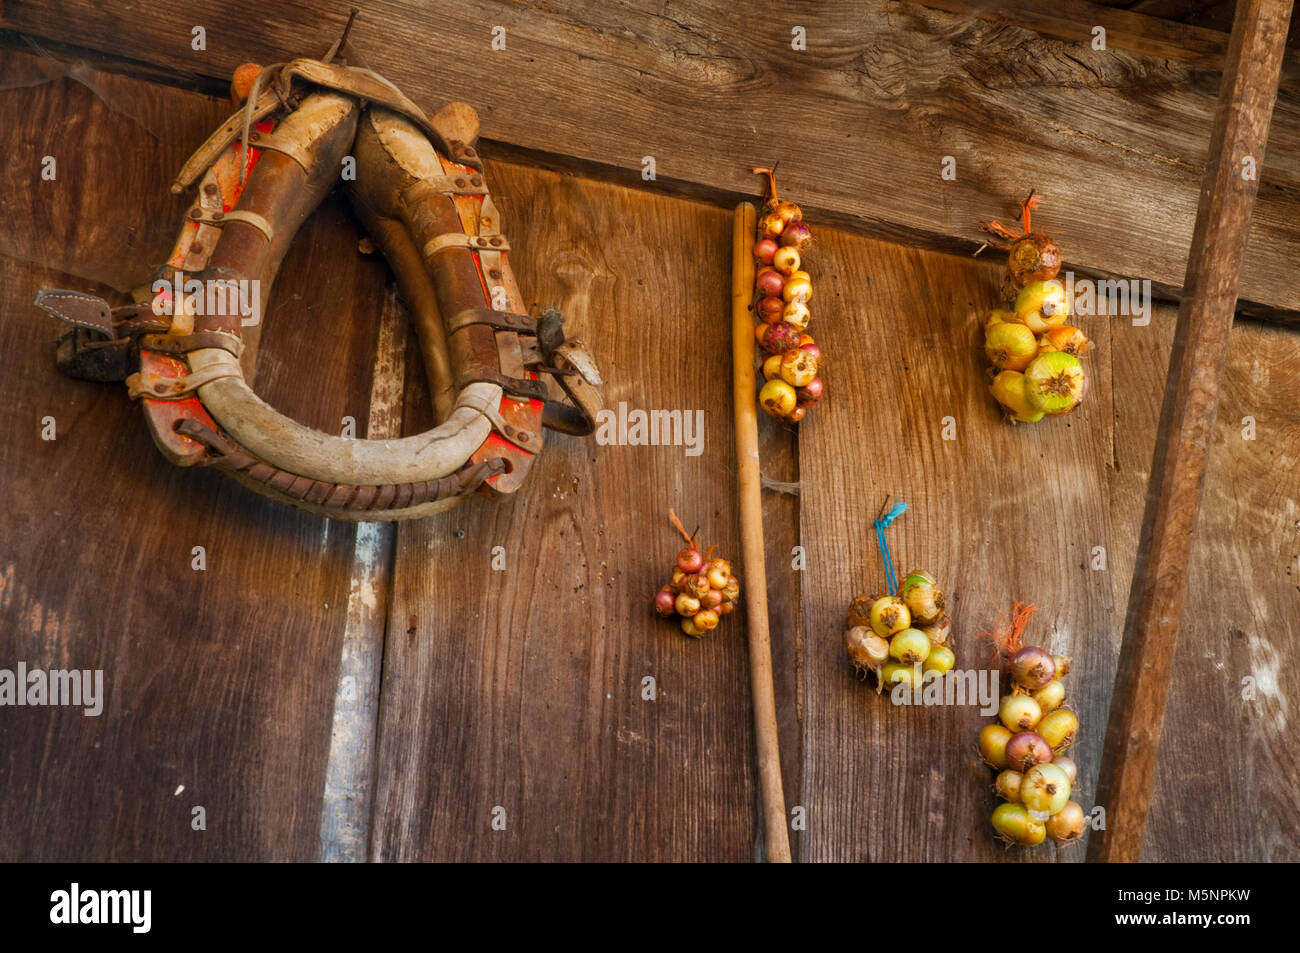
(1246, 96)
(751, 538)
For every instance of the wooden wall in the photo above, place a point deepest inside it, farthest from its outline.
(473, 689)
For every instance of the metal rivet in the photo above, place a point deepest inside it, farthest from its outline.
(160, 388)
(496, 241)
(495, 273)
(477, 180)
(210, 188)
(218, 215)
(523, 436)
(510, 319)
(510, 431)
(460, 183)
(195, 213)
(196, 249)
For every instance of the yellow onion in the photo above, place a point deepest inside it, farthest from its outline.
(1059, 728)
(786, 260)
(940, 630)
(1051, 696)
(796, 313)
(1010, 347)
(1016, 825)
(691, 629)
(771, 367)
(1019, 712)
(1007, 785)
(1067, 824)
(1045, 789)
(797, 289)
(889, 614)
(859, 611)
(941, 660)
(895, 672)
(993, 746)
(909, 647)
(1054, 382)
(778, 398)
(1042, 305)
(1009, 390)
(923, 597)
(798, 367)
(866, 650)
(706, 619)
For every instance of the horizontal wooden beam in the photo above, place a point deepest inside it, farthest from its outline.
(865, 105)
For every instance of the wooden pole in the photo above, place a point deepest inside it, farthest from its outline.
(1236, 156)
(751, 538)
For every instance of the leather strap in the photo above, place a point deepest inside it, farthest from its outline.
(461, 240)
(157, 387)
(219, 218)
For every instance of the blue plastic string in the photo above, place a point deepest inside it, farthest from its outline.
(881, 525)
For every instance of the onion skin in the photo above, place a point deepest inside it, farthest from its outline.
(690, 560)
(691, 629)
(940, 631)
(910, 647)
(859, 611)
(765, 249)
(942, 659)
(1032, 668)
(889, 614)
(666, 602)
(770, 309)
(1026, 749)
(1067, 824)
(923, 597)
(687, 605)
(798, 235)
(1007, 785)
(1062, 663)
(1045, 789)
(1017, 826)
(780, 337)
(1068, 766)
(993, 746)
(769, 283)
(1019, 712)
(1059, 729)
(866, 650)
(1051, 696)
(1033, 257)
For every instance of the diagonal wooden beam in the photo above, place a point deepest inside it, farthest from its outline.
(1245, 107)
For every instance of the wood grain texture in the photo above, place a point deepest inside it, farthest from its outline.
(885, 90)
(221, 680)
(522, 688)
(1221, 750)
(1187, 416)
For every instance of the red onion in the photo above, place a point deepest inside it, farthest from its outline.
(780, 337)
(812, 391)
(769, 283)
(711, 599)
(770, 309)
(1026, 749)
(797, 235)
(1032, 667)
(764, 249)
(690, 560)
(814, 350)
(666, 602)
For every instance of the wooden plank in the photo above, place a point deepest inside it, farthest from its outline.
(523, 688)
(884, 92)
(1000, 513)
(1242, 615)
(1186, 424)
(1074, 21)
(220, 681)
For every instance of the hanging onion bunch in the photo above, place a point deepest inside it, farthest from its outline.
(901, 638)
(702, 590)
(1034, 352)
(1027, 744)
(782, 290)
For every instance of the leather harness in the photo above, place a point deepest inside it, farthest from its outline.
(420, 191)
